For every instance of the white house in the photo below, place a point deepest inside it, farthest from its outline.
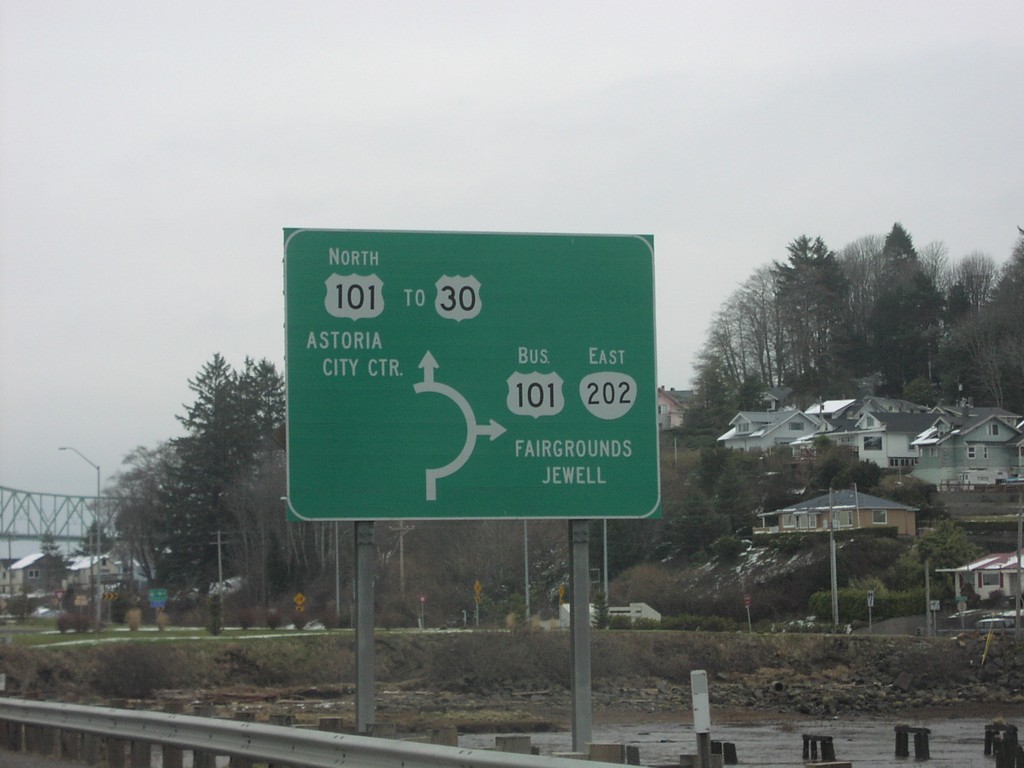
(765, 430)
(990, 574)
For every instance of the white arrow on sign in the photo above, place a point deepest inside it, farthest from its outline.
(473, 430)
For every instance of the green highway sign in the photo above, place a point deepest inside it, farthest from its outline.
(441, 375)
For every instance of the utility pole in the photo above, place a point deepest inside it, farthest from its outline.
(832, 559)
(1017, 597)
(402, 529)
(526, 570)
(93, 576)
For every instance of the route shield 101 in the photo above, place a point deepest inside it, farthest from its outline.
(464, 375)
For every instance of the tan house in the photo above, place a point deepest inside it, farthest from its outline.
(844, 510)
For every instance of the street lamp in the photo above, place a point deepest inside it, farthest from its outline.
(96, 530)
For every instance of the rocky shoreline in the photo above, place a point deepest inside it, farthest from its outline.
(965, 676)
(496, 681)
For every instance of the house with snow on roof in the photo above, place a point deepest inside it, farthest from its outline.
(968, 446)
(765, 430)
(988, 575)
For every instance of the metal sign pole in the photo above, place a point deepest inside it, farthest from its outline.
(579, 628)
(365, 677)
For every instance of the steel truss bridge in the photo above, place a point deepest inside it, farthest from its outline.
(25, 515)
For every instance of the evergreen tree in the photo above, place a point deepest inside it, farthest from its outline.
(906, 320)
(231, 418)
(812, 292)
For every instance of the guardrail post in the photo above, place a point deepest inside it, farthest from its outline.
(42, 740)
(141, 754)
(172, 757)
(70, 745)
(201, 758)
(115, 752)
(12, 736)
(242, 762)
(90, 749)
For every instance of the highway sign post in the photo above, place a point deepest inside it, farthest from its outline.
(464, 375)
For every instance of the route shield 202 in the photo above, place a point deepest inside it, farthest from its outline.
(464, 375)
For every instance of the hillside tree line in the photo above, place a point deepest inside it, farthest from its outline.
(880, 315)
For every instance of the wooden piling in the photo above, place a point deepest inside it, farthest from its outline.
(517, 743)
(811, 745)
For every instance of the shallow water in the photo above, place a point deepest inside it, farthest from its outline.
(866, 743)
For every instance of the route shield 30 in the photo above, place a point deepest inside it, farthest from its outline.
(463, 375)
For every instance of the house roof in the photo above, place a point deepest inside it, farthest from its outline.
(969, 411)
(963, 425)
(83, 562)
(910, 423)
(1001, 561)
(830, 408)
(842, 499)
(26, 561)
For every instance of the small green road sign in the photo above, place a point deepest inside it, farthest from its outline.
(464, 375)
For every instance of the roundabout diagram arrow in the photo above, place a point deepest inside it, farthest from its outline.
(492, 429)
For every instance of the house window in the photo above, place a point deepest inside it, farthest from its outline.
(879, 517)
(788, 521)
(993, 428)
(989, 579)
(742, 427)
(843, 518)
(796, 426)
(872, 442)
(32, 574)
(972, 452)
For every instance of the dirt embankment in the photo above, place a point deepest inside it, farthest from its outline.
(520, 681)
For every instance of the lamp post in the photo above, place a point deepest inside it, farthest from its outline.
(95, 531)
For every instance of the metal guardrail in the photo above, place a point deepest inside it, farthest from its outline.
(280, 746)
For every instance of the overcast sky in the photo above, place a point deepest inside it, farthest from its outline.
(152, 153)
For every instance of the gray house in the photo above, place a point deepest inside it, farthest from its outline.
(970, 446)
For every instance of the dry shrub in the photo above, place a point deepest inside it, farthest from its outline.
(73, 622)
(137, 670)
(162, 620)
(247, 618)
(525, 659)
(133, 618)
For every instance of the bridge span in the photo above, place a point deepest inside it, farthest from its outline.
(28, 515)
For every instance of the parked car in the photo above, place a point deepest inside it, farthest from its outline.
(995, 624)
